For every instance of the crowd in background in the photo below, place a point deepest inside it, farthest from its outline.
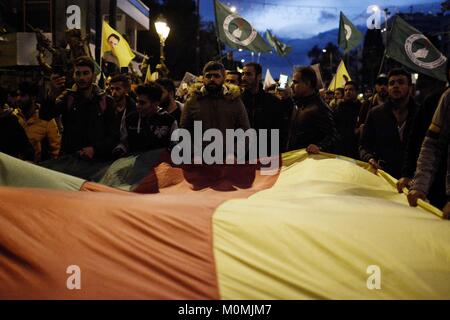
(383, 126)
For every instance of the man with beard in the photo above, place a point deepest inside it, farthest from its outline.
(214, 103)
(312, 124)
(168, 102)
(37, 129)
(149, 127)
(87, 115)
(380, 97)
(346, 116)
(387, 128)
(264, 109)
(124, 104)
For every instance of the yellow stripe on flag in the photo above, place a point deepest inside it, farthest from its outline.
(329, 229)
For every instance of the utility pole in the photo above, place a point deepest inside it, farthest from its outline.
(113, 13)
(98, 30)
(197, 47)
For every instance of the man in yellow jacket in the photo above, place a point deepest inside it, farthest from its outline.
(37, 129)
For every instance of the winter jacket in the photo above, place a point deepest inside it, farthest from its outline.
(436, 142)
(141, 134)
(263, 109)
(346, 116)
(418, 133)
(87, 122)
(223, 111)
(312, 123)
(37, 130)
(382, 140)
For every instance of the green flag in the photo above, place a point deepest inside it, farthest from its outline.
(411, 48)
(349, 36)
(236, 32)
(281, 48)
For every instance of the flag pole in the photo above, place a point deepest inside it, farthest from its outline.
(289, 61)
(382, 63)
(219, 46)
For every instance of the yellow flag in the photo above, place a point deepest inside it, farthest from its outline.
(114, 47)
(148, 77)
(340, 78)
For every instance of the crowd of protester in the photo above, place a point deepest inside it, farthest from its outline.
(385, 128)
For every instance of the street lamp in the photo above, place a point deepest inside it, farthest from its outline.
(331, 60)
(163, 30)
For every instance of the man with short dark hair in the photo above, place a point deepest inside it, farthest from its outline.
(264, 109)
(346, 115)
(233, 77)
(168, 102)
(149, 127)
(111, 64)
(87, 115)
(387, 128)
(312, 124)
(214, 103)
(380, 97)
(124, 104)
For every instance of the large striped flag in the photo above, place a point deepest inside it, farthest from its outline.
(324, 227)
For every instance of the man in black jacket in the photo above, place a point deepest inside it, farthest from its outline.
(387, 128)
(87, 116)
(263, 108)
(124, 104)
(346, 116)
(149, 127)
(312, 125)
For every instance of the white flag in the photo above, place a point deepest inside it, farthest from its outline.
(268, 80)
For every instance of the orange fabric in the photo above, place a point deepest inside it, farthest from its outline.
(128, 246)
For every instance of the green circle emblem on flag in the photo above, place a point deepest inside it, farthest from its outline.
(417, 47)
(238, 30)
